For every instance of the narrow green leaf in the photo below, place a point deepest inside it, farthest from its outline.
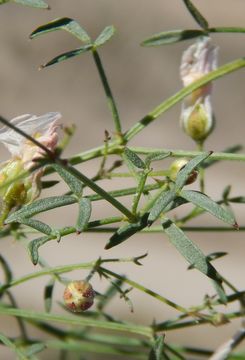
(10, 344)
(34, 349)
(40, 206)
(67, 55)
(7, 271)
(37, 225)
(196, 14)
(105, 35)
(124, 232)
(84, 214)
(66, 24)
(171, 37)
(188, 168)
(238, 199)
(178, 201)
(203, 201)
(220, 291)
(211, 257)
(189, 250)
(156, 352)
(230, 29)
(48, 293)
(74, 184)
(34, 245)
(134, 158)
(162, 202)
(33, 3)
(155, 157)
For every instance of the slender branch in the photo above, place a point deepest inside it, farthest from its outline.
(108, 92)
(171, 101)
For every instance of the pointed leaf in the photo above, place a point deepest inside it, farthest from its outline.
(161, 203)
(48, 293)
(189, 250)
(124, 232)
(203, 201)
(220, 291)
(134, 158)
(33, 3)
(40, 206)
(156, 352)
(66, 24)
(196, 14)
(105, 35)
(171, 37)
(156, 156)
(34, 245)
(238, 199)
(84, 214)
(74, 184)
(188, 168)
(67, 55)
(34, 349)
(37, 225)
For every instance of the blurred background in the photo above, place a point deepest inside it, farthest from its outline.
(140, 78)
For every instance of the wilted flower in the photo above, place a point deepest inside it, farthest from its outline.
(24, 153)
(197, 116)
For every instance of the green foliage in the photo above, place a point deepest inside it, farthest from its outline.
(154, 196)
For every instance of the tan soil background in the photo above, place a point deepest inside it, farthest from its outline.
(140, 78)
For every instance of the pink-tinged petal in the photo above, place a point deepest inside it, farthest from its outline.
(198, 60)
(31, 124)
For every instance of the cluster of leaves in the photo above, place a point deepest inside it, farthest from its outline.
(160, 198)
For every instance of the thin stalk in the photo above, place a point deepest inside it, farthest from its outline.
(77, 321)
(158, 229)
(21, 323)
(139, 191)
(108, 92)
(126, 174)
(151, 202)
(200, 147)
(180, 95)
(189, 154)
(144, 289)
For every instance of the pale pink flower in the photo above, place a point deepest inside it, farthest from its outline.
(15, 191)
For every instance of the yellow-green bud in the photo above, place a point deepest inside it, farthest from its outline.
(79, 295)
(197, 122)
(176, 166)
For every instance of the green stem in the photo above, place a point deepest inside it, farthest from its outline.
(158, 229)
(171, 101)
(108, 92)
(77, 321)
(200, 147)
(144, 289)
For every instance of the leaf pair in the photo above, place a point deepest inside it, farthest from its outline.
(72, 27)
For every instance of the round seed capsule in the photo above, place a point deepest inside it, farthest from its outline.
(79, 295)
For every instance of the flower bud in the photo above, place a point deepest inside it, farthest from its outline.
(79, 295)
(197, 117)
(176, 166)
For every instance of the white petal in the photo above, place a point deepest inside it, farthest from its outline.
(30, 124)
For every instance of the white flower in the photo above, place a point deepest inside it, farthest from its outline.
(43, 128)
(24, 153)
(197, 116)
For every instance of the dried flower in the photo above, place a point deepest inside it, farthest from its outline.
(197, 117)
(24, 153)
(79, 295)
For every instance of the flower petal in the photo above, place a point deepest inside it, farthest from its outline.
(30, 124)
